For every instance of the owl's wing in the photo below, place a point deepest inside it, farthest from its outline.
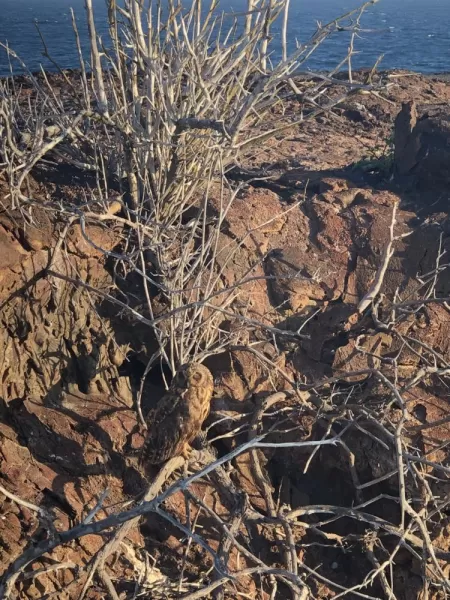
(167, 427)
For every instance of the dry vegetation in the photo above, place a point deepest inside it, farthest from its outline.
(157, 122)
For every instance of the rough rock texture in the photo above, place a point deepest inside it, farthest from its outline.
(422, 145)
(405, 148)
(65, 409)
(307, 243)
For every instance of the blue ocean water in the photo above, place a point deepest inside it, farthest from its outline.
(412, 34)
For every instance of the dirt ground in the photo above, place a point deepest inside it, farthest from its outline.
(71, 362)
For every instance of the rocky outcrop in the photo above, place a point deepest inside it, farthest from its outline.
(65, 410)
(300, 258)
(422, 145)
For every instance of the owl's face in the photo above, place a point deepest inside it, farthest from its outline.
(199, 376)
(196, 375)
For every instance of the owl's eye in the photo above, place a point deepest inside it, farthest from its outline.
(197, 377)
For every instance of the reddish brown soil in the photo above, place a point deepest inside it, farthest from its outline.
(70, 364)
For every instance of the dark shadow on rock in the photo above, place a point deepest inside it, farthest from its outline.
(77, 438)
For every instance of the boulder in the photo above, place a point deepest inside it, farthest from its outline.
(422, 145)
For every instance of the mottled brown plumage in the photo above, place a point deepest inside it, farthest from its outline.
(179, 416)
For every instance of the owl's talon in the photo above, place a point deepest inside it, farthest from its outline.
(186, 452)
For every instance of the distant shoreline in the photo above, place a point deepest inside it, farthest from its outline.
(443, 75)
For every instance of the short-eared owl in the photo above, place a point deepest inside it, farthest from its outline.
(179, 416)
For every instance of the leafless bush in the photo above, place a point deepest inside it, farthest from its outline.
(172, 110)
(173, 101)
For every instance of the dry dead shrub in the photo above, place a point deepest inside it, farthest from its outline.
(166, 108)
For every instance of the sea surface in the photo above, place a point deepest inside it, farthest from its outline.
(412, 34)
